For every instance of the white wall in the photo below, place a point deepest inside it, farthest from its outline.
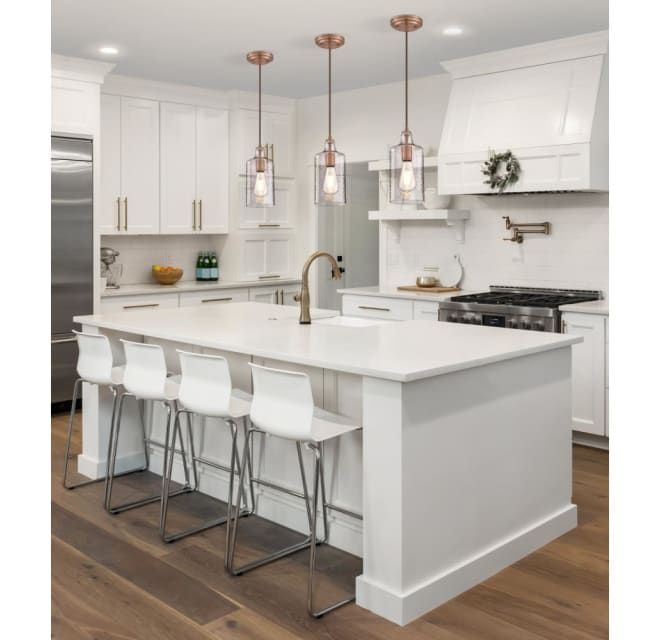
(366, 121)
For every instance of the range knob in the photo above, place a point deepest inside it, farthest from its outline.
(464, 319)
(475, 320)
(524, 324)
(539, 326)
(452, 318)
(513, 324)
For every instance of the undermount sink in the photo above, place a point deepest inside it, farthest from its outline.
(349, 321)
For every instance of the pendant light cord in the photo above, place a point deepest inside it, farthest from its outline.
(406, 83)
(329, 94)
(259, 105)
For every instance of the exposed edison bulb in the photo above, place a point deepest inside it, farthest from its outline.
(330, 184)
(260, 185)
(407, 180)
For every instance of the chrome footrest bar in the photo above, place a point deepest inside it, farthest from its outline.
(283, 553)
(144, 501)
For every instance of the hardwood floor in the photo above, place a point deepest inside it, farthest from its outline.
(112, 577)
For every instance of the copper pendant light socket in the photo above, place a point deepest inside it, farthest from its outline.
(406, 22)
(259, 57)
(329, 41)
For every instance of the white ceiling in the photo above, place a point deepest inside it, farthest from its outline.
(204, 42)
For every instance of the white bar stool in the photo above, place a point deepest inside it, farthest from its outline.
(95, 366)
(145, 378)
(206, 390)
(283, 406)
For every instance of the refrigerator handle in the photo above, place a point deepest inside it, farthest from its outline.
(63, 340)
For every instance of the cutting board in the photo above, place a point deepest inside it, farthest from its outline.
(417, 289)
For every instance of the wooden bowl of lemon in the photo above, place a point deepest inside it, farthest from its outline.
(166, 275)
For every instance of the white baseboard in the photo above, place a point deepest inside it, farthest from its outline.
(590, 440)
(95, 468)
(405, 607)
(289, 511)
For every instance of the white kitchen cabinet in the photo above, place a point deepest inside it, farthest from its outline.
(425, 310)
(589, 371)
(74, 106)
(139, 303)
(277, 130)
(376, 307)
(129, 165)
(212, 297)
(193, 169)
(212, 169)
(178, 193)
(277, 294)
(266, 256)
(278, 216)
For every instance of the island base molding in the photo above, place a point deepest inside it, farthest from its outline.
(402, 608)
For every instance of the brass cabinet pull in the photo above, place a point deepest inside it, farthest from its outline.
(270, 276)
(269, 225)
(272, 154)
(125, 214)
(217, 299)
(141, 306)
(373, 308)
(118, 213)
(563, 326)
(201, 226)
(194, 225)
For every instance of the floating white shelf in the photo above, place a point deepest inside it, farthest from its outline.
(401, 215)
(384, 165)
(452, 217)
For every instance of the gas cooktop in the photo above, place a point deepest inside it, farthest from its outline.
(548, 299)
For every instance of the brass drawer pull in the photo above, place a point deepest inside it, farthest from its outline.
(194, 225)
(269, 277)
(373, 308)
(217, 299)
(118, 213)
(125, 214)
(201, 226)
(269, 225)
(141, 306)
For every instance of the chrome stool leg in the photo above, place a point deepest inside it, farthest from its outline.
(318, 470)
(235, 466)
(113, 461)
(232, 533)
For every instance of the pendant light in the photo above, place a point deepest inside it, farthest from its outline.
(406, 158)
(329, 164)
(260, 188)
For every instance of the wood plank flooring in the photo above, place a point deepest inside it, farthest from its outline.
(113, 579)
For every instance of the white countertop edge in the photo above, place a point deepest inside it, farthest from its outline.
(191, 285)
(393, 292)
(431, 372)
(595, 307)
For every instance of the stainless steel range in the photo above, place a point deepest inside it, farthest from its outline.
(513, 307)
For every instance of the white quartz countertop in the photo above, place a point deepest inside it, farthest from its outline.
(596, 307)
(401, 351)
(192, 285)
(393, 292)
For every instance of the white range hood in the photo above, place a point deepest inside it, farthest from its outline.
(546, 102)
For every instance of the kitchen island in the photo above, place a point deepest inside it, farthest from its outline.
(464, 462)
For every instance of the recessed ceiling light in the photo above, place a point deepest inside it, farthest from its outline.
(109, 51)
(452, 31)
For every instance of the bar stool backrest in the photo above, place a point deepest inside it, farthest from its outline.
(146, 371)
(282, 403)
(205, 384)
(94, 357)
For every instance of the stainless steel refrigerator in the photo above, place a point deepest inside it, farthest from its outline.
(72, 257)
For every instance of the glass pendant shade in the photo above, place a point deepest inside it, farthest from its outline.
(406, 171)
(260, 186)
(329, 176)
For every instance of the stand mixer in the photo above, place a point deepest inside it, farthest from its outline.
(109, 270)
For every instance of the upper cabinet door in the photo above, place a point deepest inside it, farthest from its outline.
(212, 141)
(110, 217)
(178, 210)
(139, 165)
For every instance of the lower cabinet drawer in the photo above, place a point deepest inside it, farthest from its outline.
(214, 296)
(139, 303)
(425, 310)
(373, 307)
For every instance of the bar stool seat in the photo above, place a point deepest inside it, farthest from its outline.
(206, 390)
(283, 406)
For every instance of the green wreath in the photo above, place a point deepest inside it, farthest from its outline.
(501, 181)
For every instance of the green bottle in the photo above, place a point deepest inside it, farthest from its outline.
(206, 267)
(215, 272)
(198, 267)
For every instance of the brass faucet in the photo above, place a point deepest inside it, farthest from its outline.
(303, 296)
